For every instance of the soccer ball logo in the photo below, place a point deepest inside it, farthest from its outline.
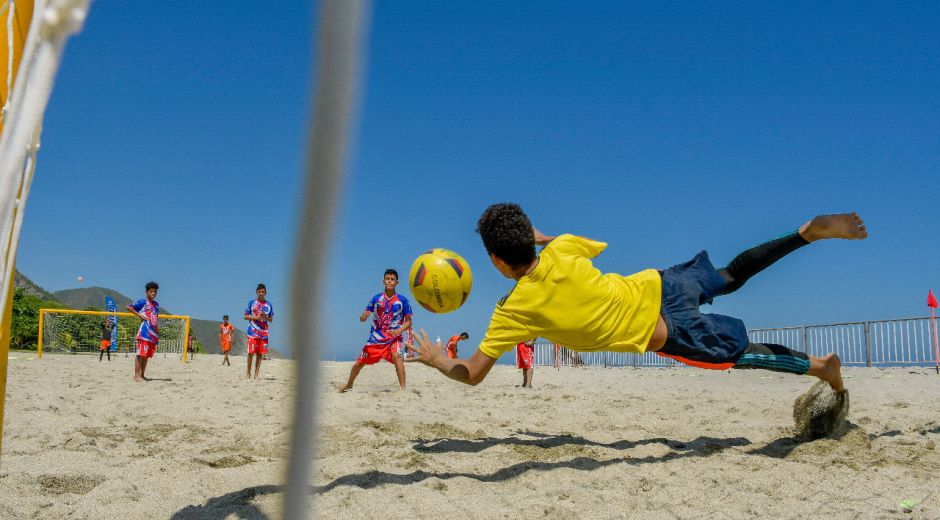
(440, 280)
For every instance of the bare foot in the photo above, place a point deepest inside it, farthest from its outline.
(848, 226)
(832, 372)
(138, 379)
(341, 388)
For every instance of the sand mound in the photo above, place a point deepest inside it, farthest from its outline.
(820, 412)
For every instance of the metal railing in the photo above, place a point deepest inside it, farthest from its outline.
(899, 342)
(549, 354)
(905, 341)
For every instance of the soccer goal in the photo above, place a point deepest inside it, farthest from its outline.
(76, 332)
(32, 38)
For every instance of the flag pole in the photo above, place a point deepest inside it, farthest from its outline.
(933, 304)
(936, 349)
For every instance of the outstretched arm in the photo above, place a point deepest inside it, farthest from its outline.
(469, 371)
(540, 239)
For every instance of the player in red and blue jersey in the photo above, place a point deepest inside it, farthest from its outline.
(148, 310)
(259, 313)
(392, 319)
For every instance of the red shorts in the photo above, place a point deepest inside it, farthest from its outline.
(257, 346)
(146, 348)
(524, 356)
(372, 354)
(105, 344)
(226, 346)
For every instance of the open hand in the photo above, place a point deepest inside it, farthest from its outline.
(425, 349)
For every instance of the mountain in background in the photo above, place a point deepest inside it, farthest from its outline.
(205, 331)
(20, 281)
(94, 297)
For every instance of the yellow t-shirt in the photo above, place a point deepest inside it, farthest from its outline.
(567, 300)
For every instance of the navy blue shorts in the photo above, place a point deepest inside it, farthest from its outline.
(696, 338)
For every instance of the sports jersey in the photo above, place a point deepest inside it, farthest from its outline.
(567, 300)
(452, 346)
(256, 328)
(225, 333)
(106, 331)
(390, 313)
(148, 328)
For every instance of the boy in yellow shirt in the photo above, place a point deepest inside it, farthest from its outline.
(559, 295)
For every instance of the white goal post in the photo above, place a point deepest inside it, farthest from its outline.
(29, 71)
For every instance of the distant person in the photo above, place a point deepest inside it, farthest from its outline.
(557, 356)
(148, 310)
(525, 360)
(392, 319)
(408, 337)
(105, 345)
(259, 314)
(649, 311)
(191, 345)
(451, 347)
(226, 338)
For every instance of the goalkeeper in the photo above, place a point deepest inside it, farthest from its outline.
(561, 296)
(105, 345)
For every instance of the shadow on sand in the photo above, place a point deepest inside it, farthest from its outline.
(239, 504)
(700, 447)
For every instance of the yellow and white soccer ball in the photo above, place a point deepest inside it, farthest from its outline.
(440, 280)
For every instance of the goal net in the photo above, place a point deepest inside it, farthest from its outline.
(71, 331)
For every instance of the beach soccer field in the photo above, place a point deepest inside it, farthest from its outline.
(83, 441)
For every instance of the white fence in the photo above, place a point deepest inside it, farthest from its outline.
(907, 341)
(900, 342)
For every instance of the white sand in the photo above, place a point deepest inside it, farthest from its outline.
(83, 441)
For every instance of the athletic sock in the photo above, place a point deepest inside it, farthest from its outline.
(758, 258)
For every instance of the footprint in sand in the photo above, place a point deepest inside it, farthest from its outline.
(78, 484)
(230, 461)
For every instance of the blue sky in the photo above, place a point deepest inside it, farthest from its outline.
(173, 150)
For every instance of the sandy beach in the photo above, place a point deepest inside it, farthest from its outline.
(83, 441)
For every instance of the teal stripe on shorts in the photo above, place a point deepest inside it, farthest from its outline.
(790, 364)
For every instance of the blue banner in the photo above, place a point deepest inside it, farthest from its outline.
(110, 306)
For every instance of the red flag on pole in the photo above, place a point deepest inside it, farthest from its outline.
(932, 303)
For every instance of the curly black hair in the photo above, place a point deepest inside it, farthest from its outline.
(507, 233)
